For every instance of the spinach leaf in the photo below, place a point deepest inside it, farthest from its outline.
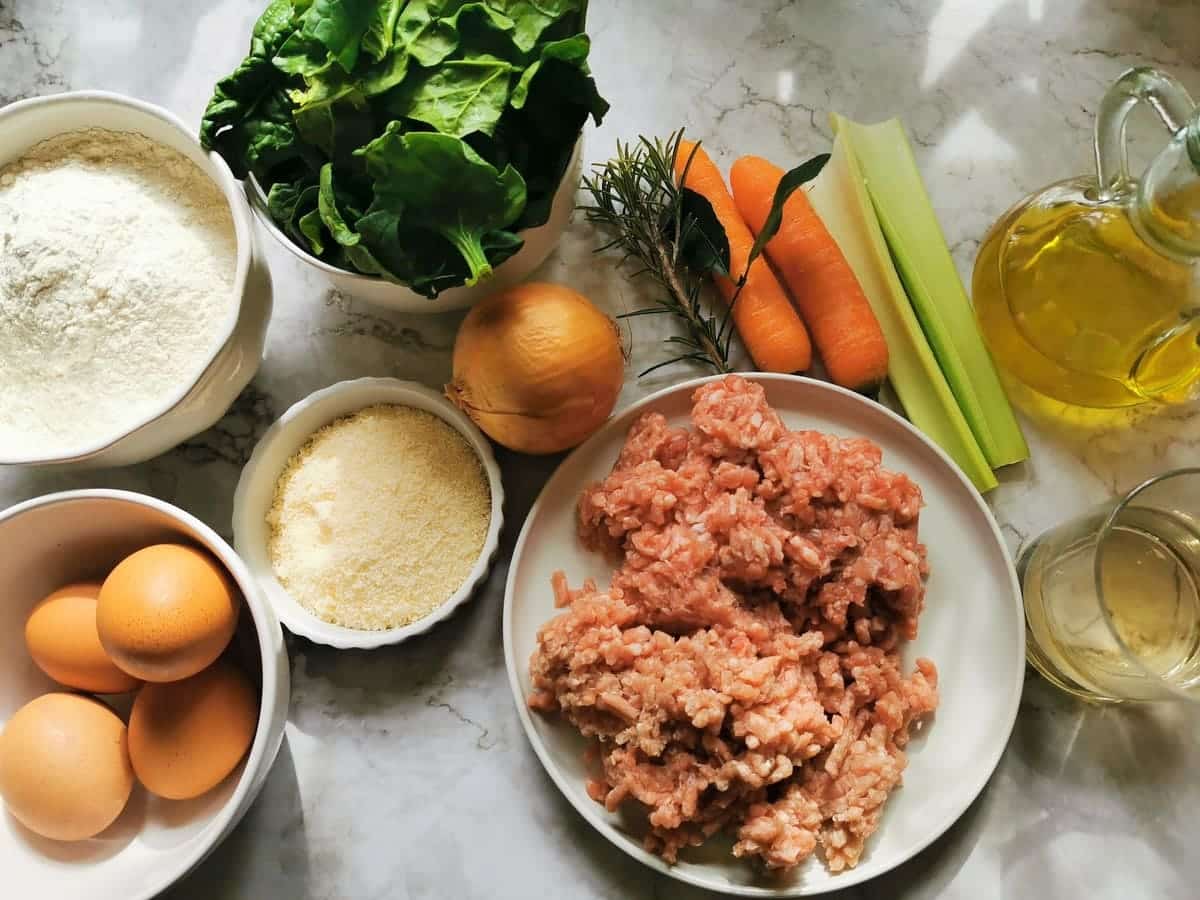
(324, 88)
(381, 33)
(310, 228)
(329, 32)
(482, 30)
(331, 200)
(566, 59)
(337, 129)
(340, 26)
(458, 97)
(304, 224)
(427, 32)
(416, 172)
(385, 74)
(282, 200)
(236, 96)
(302, 54)
(270, 139)
(532, 17)
(549, 106)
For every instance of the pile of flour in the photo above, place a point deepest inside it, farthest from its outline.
(117, 263)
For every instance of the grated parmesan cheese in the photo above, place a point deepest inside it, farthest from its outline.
(379, 518)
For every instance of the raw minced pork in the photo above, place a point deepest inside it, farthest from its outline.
(742, 671)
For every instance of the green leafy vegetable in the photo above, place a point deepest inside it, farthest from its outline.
(408, 139)
(427, 34)
(236, 97)
(460, 96)
(415, 172)
(532, 17)
(340, 25)
(380, 36)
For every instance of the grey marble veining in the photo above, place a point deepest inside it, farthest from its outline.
(405, 773)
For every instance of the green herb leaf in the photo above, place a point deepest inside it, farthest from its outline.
(416, 172)
(703, 244)
(788, 184)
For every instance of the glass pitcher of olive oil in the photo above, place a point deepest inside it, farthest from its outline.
(1087, 291)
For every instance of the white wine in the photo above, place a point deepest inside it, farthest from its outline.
(1102, 615)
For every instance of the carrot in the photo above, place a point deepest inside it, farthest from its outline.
(811, 264)
(765, 318)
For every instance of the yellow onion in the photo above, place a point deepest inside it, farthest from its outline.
(537, 367)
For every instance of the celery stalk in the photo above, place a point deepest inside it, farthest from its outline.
(840, 198)
(932, 283)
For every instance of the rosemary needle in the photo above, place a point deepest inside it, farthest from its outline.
(634, 197)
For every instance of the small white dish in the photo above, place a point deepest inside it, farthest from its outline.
(256, 490)
(199, 404)
(539, 242)
(973, 628)
(80, 535)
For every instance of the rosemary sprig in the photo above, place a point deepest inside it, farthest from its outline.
(666, 234)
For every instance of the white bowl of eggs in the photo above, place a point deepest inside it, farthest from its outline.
(143, 694)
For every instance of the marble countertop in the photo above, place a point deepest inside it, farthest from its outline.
(404, 772)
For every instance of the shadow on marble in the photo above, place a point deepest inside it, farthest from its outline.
(1090, 765)
(267, 855)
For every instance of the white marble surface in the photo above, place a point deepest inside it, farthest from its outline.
(405, 772)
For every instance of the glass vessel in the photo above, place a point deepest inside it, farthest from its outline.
(1112, 598)
(1087, 291)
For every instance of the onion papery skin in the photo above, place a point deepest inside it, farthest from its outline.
(537, 367)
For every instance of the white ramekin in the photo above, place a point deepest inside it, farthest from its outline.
(256, 490)
(199, 403)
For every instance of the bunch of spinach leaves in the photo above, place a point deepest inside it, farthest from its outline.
(409, 139)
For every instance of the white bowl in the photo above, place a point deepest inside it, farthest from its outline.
(539, 242)
(256, 490)
(198, 404)
(76, 535)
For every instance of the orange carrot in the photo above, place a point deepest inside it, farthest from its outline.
(766, 320)
(811, 264)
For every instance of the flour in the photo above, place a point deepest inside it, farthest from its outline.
(117, 263)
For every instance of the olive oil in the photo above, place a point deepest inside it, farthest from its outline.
(1074, 302)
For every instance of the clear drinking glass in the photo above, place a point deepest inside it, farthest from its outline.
(1112, 598)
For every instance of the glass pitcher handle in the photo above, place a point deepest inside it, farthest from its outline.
(1165, 95)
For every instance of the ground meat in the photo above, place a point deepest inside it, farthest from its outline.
(742, 670)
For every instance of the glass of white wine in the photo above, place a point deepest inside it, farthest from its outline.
(1112, 598)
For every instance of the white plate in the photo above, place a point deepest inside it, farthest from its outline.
(972, 628)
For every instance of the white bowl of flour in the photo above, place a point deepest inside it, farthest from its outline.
(133, 300)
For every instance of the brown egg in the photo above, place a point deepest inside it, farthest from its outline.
(62, 639)
(64, 766)
(166, 612)
(186, 736)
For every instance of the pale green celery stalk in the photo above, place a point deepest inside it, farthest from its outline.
(931, 279)
(840, 198)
